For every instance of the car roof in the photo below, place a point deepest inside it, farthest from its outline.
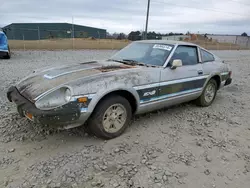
(173, 42)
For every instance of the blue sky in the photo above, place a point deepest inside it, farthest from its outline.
(203, 16)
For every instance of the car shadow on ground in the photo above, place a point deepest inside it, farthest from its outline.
(16, 128)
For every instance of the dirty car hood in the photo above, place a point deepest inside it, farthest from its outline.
(44, 80)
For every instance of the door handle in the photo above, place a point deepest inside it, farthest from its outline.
(200, 72)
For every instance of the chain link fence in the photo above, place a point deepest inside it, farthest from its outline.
(113, 44)
(56, 39)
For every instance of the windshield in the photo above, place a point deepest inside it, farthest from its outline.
(147, 53)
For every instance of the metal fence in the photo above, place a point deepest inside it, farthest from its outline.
(113, 44)
(80, 39)
(241, 41)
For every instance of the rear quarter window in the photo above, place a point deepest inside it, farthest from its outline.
(206, 56)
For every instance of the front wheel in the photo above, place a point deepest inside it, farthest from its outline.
(111, 117)
(208, 95)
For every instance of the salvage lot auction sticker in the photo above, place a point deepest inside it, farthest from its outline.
(163, 47)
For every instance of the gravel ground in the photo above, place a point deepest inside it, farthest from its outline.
(182, 146)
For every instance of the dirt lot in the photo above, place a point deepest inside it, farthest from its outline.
(183, 146)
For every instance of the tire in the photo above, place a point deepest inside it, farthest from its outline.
(8, 54)
(87, 129)
(202, 100)
(100, 115)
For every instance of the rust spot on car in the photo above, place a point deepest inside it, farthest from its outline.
(113, 68)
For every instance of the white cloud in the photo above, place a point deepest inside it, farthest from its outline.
(219, 16)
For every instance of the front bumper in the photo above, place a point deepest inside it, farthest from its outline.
(67, 116)
(3, 53)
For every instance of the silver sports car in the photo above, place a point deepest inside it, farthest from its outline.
(104, 95)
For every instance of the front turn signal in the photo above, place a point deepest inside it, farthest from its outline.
(82, 99)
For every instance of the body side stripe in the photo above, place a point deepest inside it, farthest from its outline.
(170, 95)
(170, 82)
(183, 80)
(146, 86)
(181, 87)
(171, 89)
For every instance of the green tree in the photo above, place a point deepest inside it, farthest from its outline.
(121, 36)
(134, 35)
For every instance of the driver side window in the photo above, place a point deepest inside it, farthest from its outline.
(188, 55)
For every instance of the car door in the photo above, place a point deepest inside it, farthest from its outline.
(182, 83)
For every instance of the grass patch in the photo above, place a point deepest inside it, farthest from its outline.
(108, 44)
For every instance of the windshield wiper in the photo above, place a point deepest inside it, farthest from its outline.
(115, 60)
(131, 61)
(125, 61)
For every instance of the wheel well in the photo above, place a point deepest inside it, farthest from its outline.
(123, 93)
(217, 79)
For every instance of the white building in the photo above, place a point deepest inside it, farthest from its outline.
(234, 39)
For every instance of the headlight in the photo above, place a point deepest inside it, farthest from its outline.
(67, 95)
(54, 99)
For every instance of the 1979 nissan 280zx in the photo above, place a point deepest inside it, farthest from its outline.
(143, 76)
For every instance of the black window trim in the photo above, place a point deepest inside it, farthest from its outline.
(208, 53)
(186, 45)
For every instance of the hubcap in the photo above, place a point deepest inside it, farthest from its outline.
(210, 93)
(114, 118)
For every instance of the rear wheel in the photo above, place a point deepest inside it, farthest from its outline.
(208, 95)
(8, 55)
(111, 117)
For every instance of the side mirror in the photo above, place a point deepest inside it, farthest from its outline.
(176, 63)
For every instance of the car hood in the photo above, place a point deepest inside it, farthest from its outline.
(44, 80)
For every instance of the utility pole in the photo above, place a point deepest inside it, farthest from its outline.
(248, 42)
(146, 29)
(73, 33)
(38, 32)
